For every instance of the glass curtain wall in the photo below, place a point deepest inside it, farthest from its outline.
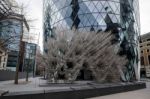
(121, 16)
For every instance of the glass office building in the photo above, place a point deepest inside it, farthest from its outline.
(121, 16)
(29, 63)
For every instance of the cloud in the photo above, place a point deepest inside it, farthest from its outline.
(145, 16)
(33, 8)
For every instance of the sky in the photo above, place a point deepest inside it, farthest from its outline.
(145, 16)
(34, 11)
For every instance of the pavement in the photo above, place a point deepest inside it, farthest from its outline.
(23, 86)
(138, 94)
(34, 83)
(37, 85)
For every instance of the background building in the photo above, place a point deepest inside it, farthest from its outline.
(5, 8)
(29, 63)
(12, 27)
(8, 7)
(3, 59)
(120, 16)
(145, 55)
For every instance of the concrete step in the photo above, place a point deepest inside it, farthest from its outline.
(3, 92)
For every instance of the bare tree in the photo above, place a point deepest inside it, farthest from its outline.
(9, 35)
(9, 11)
(40, 65)
(24, 38)
(94, 51)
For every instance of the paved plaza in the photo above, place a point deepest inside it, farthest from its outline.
(33, 85)
(139, 94)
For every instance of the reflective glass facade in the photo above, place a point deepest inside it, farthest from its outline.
(121, 16)
(10, 29)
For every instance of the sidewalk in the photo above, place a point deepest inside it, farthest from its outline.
(139, 94)
(33, 85)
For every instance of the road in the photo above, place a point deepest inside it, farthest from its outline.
(139, 94)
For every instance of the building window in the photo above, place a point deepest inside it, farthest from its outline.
(149, 58)
(144, 40)
(142, 60)
(1, 52)
(141, 46)
(148, 39)
(3, 64)
(147, 50)
(0, 59)
(140, 41)
(4, 59)
(141, 51)
(148, 44)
